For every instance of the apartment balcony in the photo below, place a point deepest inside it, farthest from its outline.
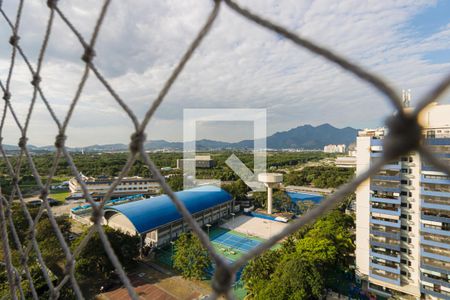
(387, 178)
(437, 294)
(386, 223)
(432, 240)
(381, 188)
(391, 235)
(376, 154)
(432, 230)
(427, 170)
(407, 176)
(384, 277)
(385, 256)
(435, 218)
(441, 154)
(379, 291)
(393, 167)
(435, 280)
(406, 222)
(437, 141)
(434, 255)
(393, 270)
(386, 245)
(434, 180)
(390, 212)
(376, 142)
(408, 164)
(434, 193)
(405, 244)
(434, 267)
(386, 200)
(427, 204)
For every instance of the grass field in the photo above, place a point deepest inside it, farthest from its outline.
(59, 195)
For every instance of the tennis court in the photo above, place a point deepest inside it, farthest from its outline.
(234, 240)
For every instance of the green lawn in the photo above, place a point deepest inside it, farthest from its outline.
(59, 195)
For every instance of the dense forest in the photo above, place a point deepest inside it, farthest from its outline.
(309, 262)
(320, 176)
(93, 267)
(110, 164)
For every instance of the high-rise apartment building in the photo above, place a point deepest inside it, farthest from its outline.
(334, 148)
(403, 215)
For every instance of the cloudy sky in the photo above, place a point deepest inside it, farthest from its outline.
(239, 65)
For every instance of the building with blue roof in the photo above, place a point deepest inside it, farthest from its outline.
(157, 221)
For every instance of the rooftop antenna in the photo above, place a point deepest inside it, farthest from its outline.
(406, 98)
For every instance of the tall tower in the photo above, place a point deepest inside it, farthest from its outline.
(270, 180)
(406, 98)
(403, 215)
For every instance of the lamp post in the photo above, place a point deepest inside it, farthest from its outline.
(207, 227)
(171, 257)
(173, 244)
(232, 222)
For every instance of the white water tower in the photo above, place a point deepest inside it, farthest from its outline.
(270, 180)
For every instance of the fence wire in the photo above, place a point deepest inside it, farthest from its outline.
(404, 135)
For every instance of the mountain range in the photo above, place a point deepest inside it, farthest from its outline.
(303, 137)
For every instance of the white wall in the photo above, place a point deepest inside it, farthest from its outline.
(362, 206)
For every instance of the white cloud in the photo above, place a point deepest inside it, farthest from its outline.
(238, 65)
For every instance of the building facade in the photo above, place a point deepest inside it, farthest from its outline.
(157, 221)
(345, 162)
(201, 161)
(98, 187)
(403, 215)
(334, 148)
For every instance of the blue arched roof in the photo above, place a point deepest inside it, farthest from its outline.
(149, 214)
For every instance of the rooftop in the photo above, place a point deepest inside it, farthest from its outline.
(149, 214)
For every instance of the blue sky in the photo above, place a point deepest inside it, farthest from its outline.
(239, 65)
(430, 21)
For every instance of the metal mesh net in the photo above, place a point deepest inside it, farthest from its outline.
(404, 136)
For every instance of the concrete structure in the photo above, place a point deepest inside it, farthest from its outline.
(345, 162)
(403, 216)
(270, 180)
(157, 221)
(201, 161)
(98, 187)
(334, 148)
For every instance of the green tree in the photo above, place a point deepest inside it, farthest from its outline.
(176, 182)
(295, 278)
(49, 244)
(260, 199)
(258, 271)
(312, 259)
(237, 189)
(281, 201)
(93, 263)
(190, 257)
(305, 205)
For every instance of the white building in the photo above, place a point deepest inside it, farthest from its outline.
(201, 161)
(98, 187)
(403, 216)
(345, 162)
(334, 148)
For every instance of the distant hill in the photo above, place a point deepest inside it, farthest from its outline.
(303, 137)
(310, 137)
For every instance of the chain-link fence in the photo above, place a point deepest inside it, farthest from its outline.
(404, 136)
